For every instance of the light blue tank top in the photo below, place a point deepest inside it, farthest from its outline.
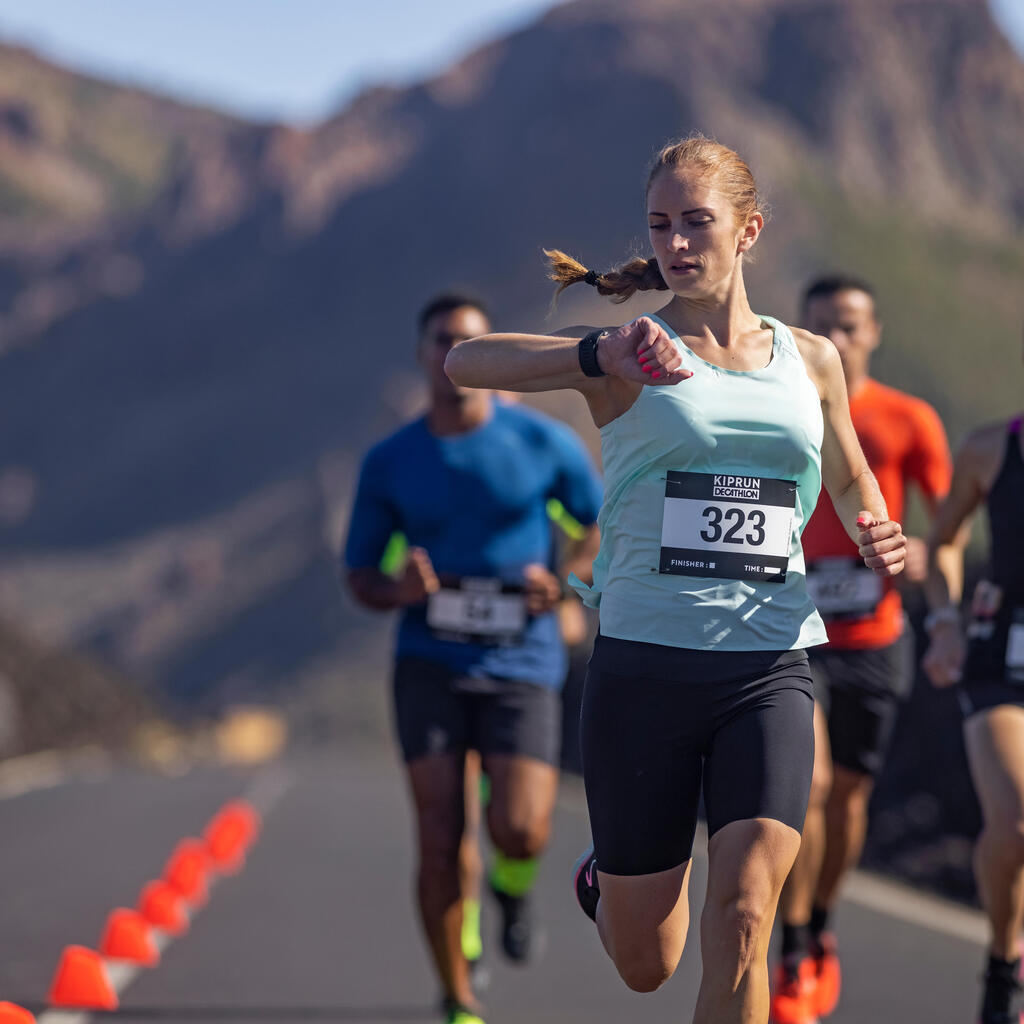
(708, 485)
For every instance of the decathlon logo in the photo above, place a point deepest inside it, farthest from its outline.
(748, 487)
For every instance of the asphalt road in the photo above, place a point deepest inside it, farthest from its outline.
(320, 925)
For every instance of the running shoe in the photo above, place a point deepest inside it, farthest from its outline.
(825, 954)
(1000, 995)
(516, 925)
(456, 1013)
(793, 993)
(584, 881)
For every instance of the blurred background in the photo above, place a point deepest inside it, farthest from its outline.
(218, 221)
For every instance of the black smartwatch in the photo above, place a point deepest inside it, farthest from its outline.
(587, 352)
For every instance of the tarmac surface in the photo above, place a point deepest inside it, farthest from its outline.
(319, 925)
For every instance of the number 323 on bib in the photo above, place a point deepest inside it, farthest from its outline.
(724, 526)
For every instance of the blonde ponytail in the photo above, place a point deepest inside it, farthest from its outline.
(635, 275)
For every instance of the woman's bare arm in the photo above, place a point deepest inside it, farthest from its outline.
(638, 353)
(520, 362)
(845, 472)
(973, 472)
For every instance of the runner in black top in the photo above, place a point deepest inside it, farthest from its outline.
(987, 661)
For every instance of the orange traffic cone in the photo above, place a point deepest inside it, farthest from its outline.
(225, 847)
(233, 828)
(129, 936)
(11, 1014)
(244, 814)
(82, 981)
(186, 871)
(164, 907)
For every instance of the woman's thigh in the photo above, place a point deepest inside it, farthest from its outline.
(760, 759)
(995, 750)
(642, 773)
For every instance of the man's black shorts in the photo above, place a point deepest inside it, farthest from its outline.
(860, 692)
(438, 711)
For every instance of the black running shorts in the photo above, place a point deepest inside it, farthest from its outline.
(861, 692)
(987, 682)
(438, 711)
(658, 723)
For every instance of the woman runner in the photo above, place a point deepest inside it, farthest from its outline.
(989, 667)
(718, 427)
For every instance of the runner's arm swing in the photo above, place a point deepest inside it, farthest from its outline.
(381, 592)
(951, 527)
(943, 587)
(850, 483)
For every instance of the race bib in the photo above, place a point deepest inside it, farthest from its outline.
(727, 527)
(843, 588)
(479, 611)
(1015, 648)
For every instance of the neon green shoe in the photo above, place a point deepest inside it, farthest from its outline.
(456, 1013)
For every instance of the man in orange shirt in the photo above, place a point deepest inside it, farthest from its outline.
(865, 671)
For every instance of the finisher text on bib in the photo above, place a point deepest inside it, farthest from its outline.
(843, 588)
(727, 527)
(478, 611)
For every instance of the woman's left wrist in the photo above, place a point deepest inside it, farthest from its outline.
(587, 353)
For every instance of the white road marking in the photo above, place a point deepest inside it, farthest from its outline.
(922, 909)
(48, 768)
(34, 771)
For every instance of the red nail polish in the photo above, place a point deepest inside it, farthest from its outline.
(656, 373)
(646, 369)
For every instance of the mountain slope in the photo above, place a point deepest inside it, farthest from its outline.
(263, 327)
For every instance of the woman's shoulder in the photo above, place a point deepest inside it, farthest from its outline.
(985, 442)
(820, 356)
(980, 456)
(816, 350)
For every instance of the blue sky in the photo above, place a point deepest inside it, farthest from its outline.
(281, 59)
(292, 59)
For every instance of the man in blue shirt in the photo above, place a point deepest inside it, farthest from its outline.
(479, 660)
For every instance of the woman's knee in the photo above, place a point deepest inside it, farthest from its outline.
(743, 892)
(748, 920)
(643, 922)
(644, 972)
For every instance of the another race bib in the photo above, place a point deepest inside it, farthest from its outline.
(843, 588)
(1015, 648)
(727, 527)
(472, 610)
